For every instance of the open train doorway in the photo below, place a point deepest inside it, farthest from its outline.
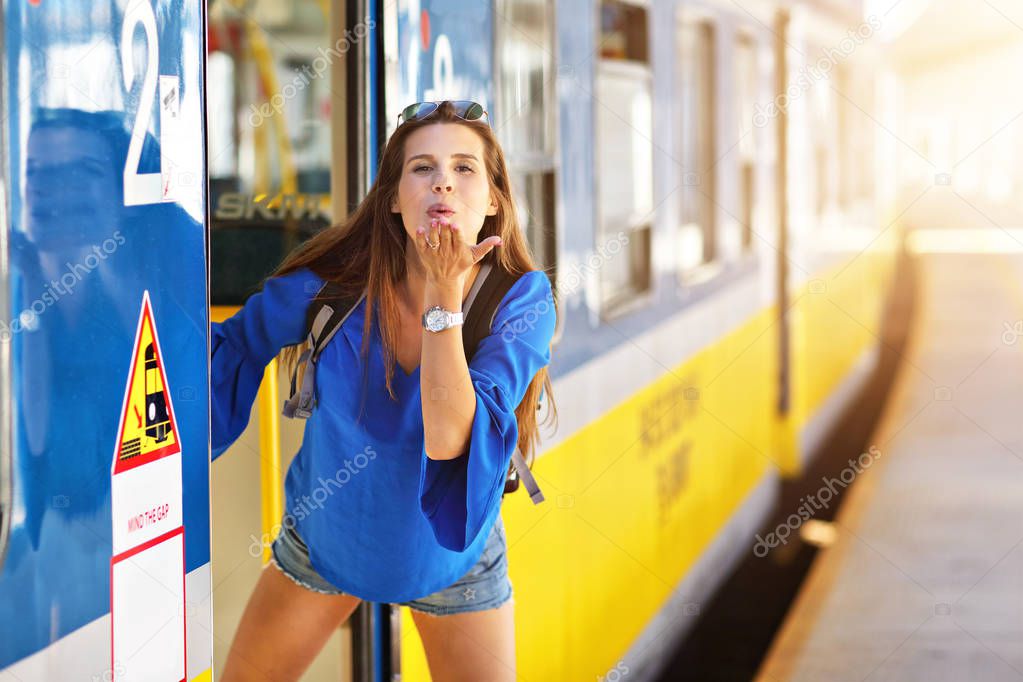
(284, 158)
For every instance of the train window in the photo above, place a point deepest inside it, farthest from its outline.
(845, 149)
(696, 243)
(856, 162)
(269, 90)
(623, 32)
(524, 46)
(624, 151)
(524, 54)
(818, 134)
(823, 134)
(535, 194)
(746, 94)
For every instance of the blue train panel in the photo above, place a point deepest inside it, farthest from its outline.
(445, 51)
(105, 572)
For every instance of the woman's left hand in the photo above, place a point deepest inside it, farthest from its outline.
(452, 260)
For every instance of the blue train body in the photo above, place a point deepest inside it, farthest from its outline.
(85, 241)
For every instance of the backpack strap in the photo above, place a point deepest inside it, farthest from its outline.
(326, 313)
(486, 293)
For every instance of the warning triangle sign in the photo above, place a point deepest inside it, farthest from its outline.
(147, 430)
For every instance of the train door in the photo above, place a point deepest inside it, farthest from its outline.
(293, 141)
(104, 496)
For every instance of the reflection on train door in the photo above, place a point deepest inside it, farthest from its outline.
(104, 199)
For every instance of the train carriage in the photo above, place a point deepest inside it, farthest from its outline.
(683, 175)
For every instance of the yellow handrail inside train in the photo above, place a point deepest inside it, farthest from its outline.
(271, 493)
(270, 480)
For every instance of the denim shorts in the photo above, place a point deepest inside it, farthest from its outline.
(485, 586)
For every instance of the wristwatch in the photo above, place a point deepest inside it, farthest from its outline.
(436, 319)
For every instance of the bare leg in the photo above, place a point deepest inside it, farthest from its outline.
(478, 646)
(283, 629)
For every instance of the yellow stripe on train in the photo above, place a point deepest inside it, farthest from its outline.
(633, 500)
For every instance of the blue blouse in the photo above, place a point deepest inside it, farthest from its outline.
(382, 521)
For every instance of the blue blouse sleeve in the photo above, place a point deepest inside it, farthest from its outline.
(458, 495)
(242, 346)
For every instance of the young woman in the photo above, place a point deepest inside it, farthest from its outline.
(395, 494)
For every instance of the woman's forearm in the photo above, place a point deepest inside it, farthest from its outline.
(448, 396)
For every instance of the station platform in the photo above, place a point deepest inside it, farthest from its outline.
(923, 576)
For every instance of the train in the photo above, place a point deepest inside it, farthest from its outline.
(705, 183)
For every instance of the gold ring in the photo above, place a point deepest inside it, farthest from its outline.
(432, 246)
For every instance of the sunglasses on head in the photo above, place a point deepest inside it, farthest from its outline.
(464, 109)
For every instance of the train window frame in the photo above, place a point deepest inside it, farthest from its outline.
(692, 271)
(635, 290)
(533, 170)
(747, 145)
(824, 132)
(855, 165)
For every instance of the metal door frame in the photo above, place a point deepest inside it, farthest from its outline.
(376, 651)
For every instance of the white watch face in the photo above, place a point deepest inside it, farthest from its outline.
(436, 320)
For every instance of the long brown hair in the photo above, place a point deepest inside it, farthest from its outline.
(366, 253)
